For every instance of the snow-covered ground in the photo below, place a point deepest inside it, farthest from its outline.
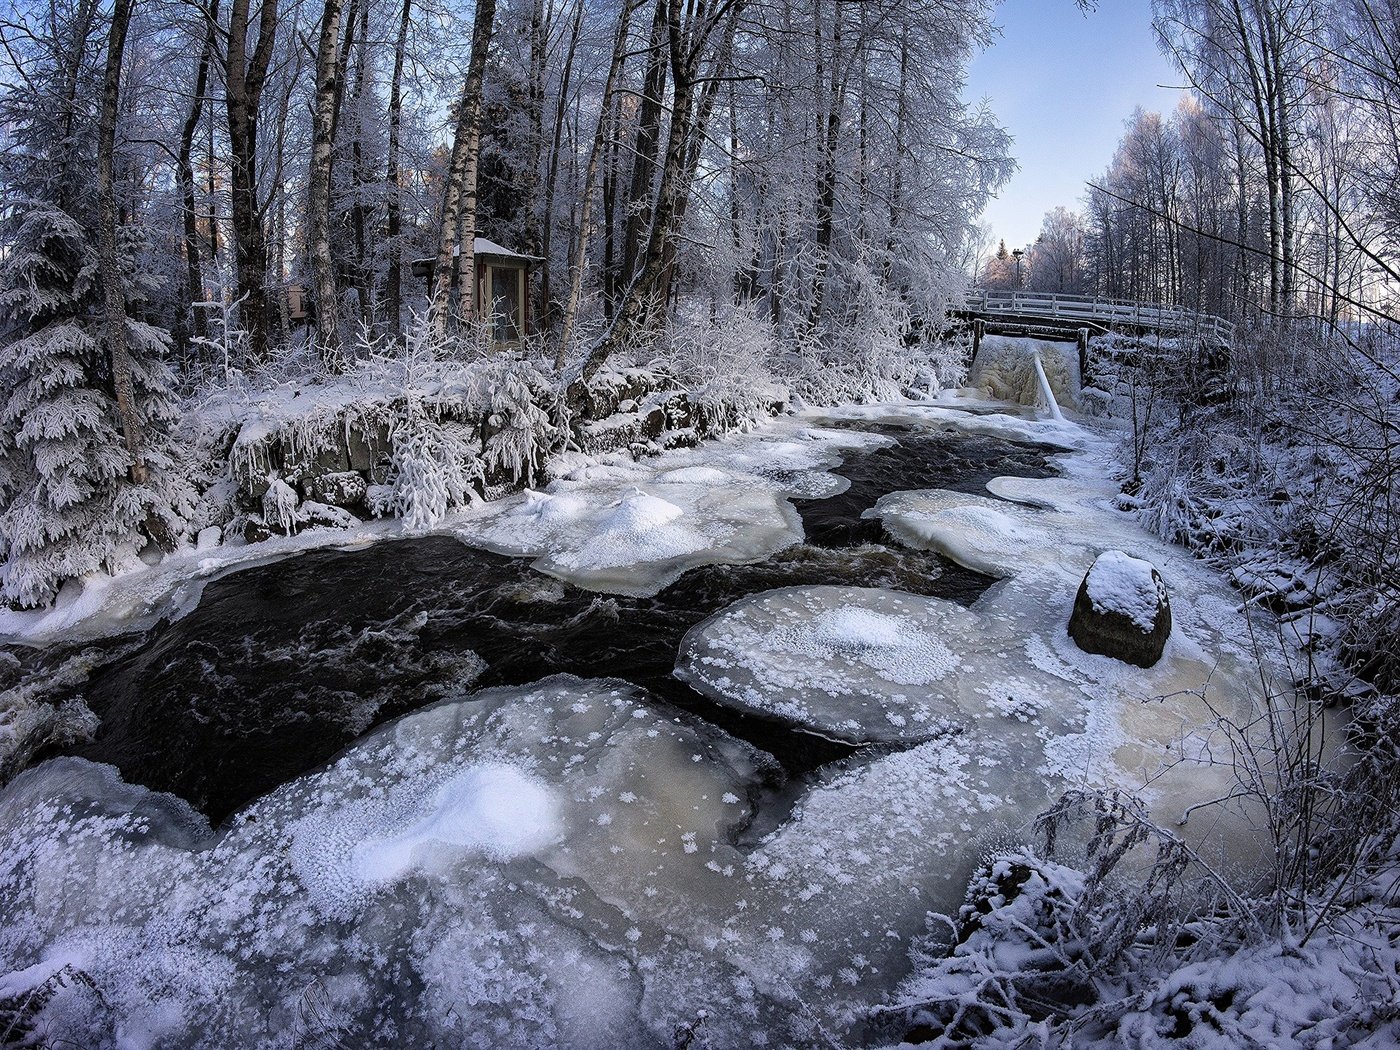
(567, 863)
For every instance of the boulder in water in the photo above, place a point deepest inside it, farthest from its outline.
(1122, 610)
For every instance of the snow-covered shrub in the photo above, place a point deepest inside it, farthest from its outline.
(1015, 961)
(877, 350)
(434, 470)
(725, 363)
(1282, 451)
(1050, 940)
(518, 401)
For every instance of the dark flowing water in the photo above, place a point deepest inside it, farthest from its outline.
(281, 666)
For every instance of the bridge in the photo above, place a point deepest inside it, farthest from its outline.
(1055, 314)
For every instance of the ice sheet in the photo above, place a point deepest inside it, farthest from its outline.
(854, 664)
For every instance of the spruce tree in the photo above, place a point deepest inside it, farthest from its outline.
(68, 507)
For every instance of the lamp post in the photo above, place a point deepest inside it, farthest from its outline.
(1017, 253)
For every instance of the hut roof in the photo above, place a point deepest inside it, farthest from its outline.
(483, 247)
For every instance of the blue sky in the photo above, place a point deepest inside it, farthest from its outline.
(1063, 83)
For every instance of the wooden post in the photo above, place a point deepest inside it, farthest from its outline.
(979, 329)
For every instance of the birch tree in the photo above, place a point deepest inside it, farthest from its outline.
(460, 191)
(329, 70)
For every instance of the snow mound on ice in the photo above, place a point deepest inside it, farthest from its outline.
(552, 509)
(834, 661)
(635, 537)
(1125, 585)
(495, 809)
(632, 528)
(641, 528)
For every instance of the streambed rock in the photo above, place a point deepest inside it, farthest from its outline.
(1122, 610)
(344, 488)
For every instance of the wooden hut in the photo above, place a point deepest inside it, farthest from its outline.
(502, 289)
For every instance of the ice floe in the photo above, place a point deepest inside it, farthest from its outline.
(854, 664)
(636, 537)
(633, 528)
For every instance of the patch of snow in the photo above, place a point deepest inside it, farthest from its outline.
(1122, 584)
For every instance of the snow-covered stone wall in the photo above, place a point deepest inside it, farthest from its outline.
(343, 455)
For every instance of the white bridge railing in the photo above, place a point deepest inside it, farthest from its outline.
(1106, 312)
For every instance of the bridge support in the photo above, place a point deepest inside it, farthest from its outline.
(1084, 357)
(979, 329)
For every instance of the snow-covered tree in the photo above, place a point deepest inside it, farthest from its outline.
(1056, 262)
(68, 506)
(1000, 271)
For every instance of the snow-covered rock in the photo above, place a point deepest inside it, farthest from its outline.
(344, 488)
(1122, 610)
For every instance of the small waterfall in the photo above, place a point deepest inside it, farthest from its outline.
(1027, 371)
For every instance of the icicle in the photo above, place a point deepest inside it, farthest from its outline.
(1045, 390)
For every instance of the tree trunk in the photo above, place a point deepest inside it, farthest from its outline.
(611, 280)
(534, 115)
(645, 148)
(113, 286)
(394, 197)
(359, 176)
(580, 256)
(318, 218)
(277, 205)
(84, 23)
(1283, 132)
(829, 126)
(547, 220)
(244, 79)
(350, 18)
(460, 193)
(901, 136)
(689, 117)
(192, 319)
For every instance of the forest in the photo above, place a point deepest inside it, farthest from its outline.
(295, 190)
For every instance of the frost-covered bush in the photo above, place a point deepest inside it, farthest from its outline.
(1279, 458)
(878, 350)
(434, 470)
(725, 362)
(452, 420)
(518, 400)
(1041, 939)
(1116, 935)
